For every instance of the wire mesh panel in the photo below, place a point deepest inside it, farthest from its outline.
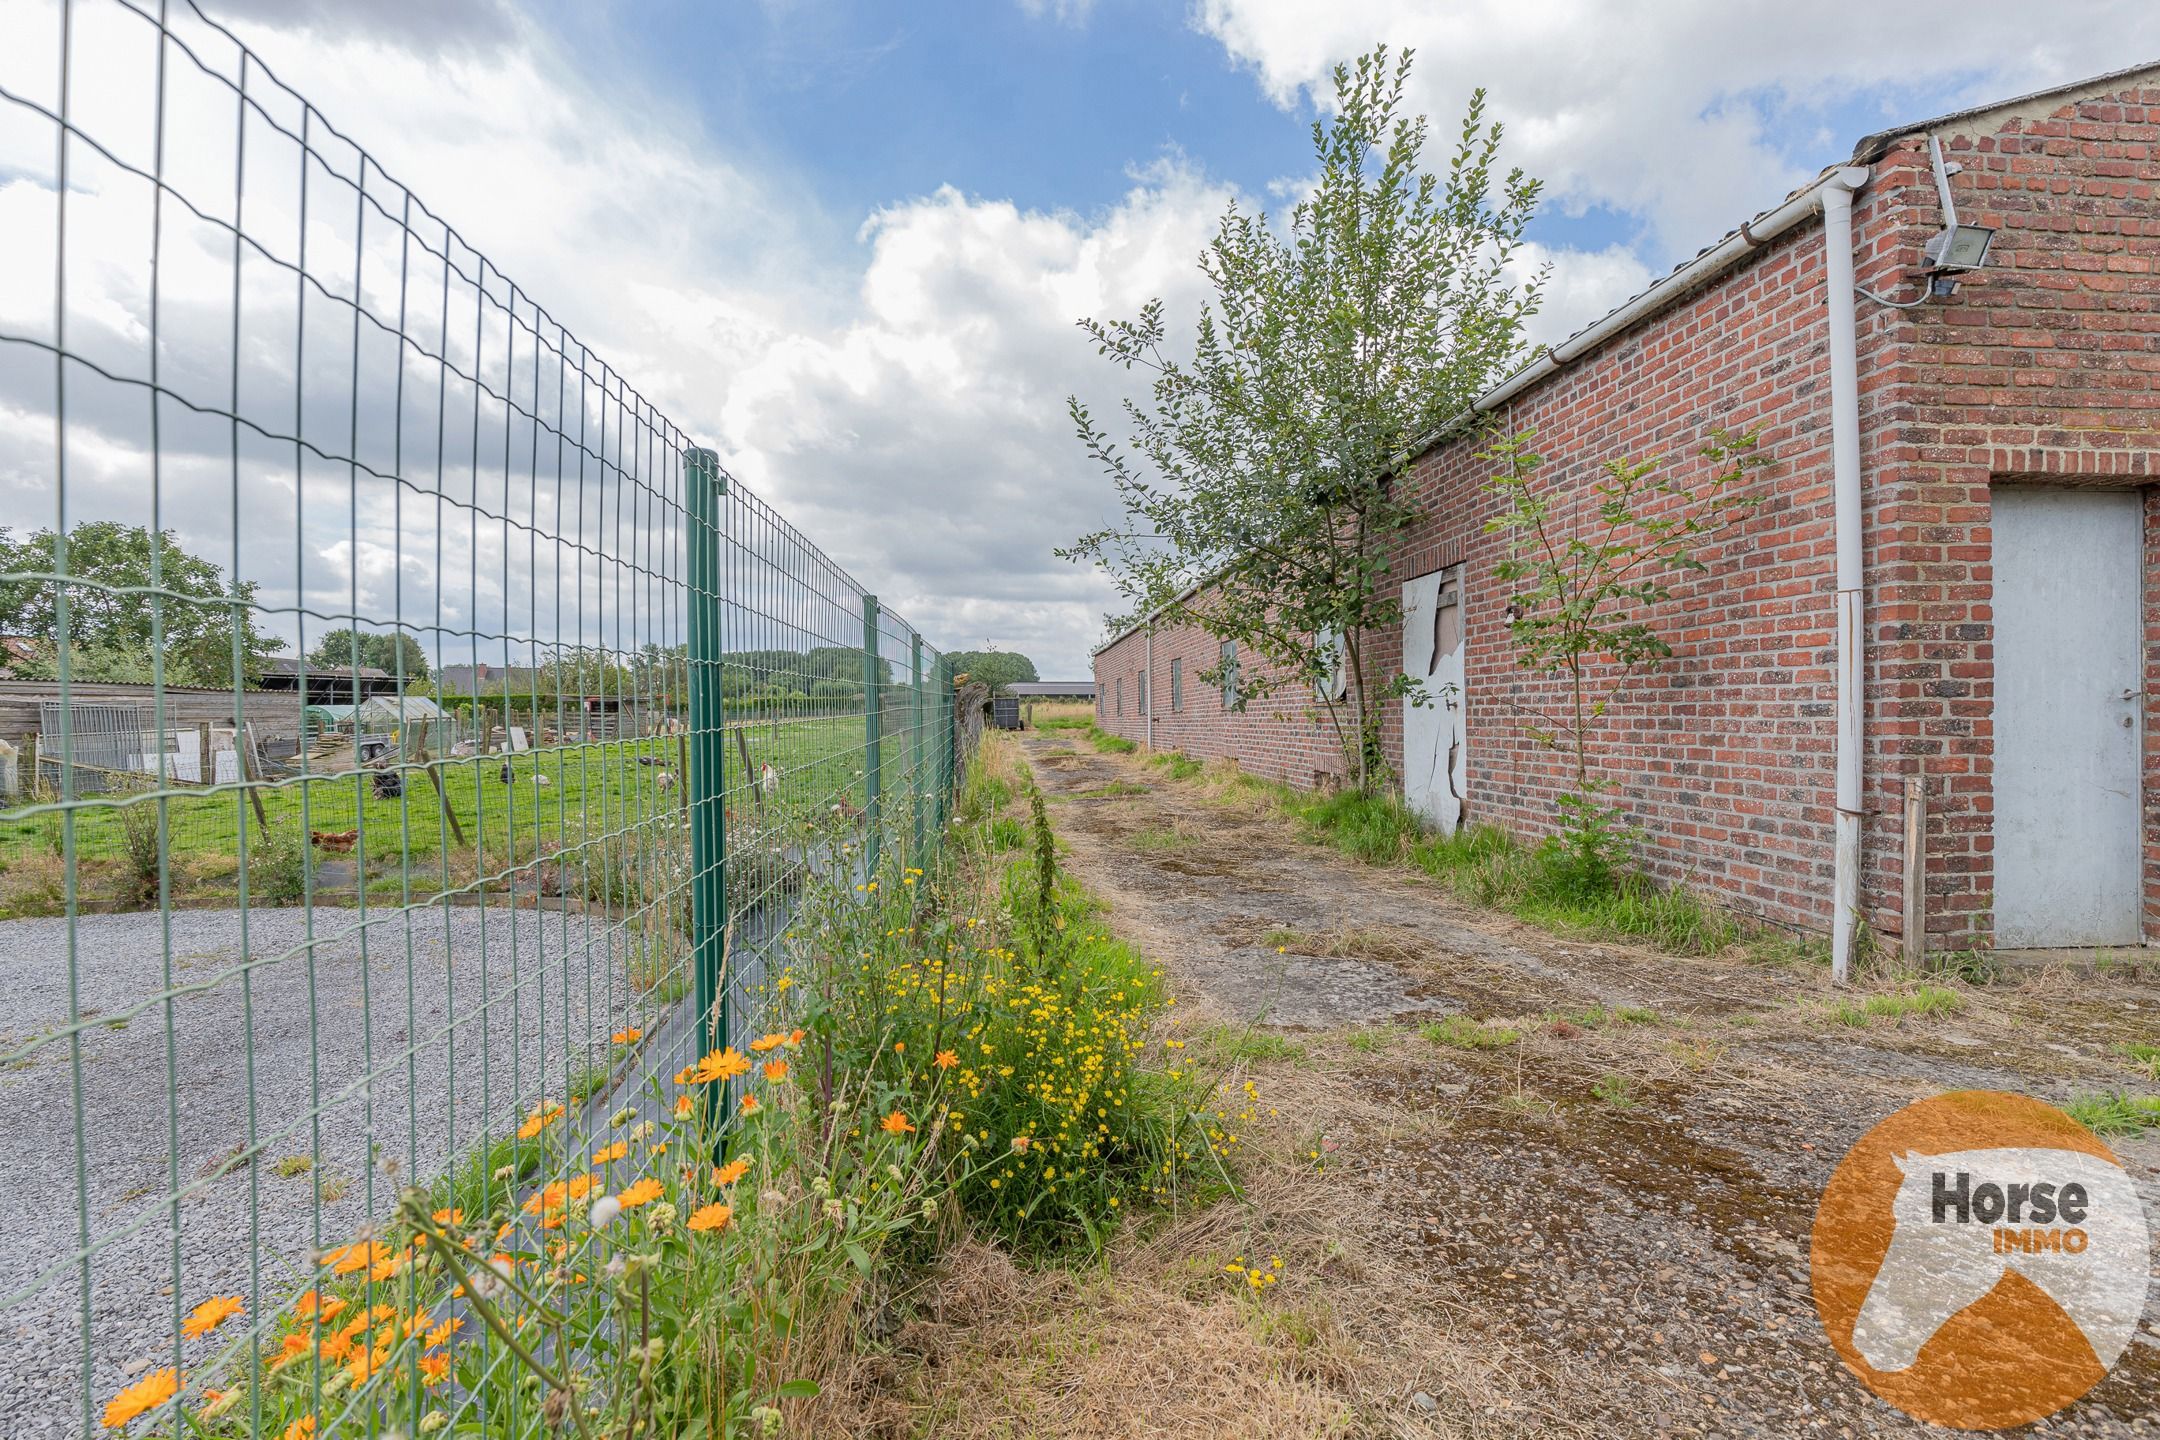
(482, 732)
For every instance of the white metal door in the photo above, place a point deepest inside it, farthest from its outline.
(1435, 757)
(2069, 701)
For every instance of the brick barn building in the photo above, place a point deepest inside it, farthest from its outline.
(1950, 576)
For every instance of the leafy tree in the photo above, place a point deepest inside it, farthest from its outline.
(112, 617)
(1584, 580)
(1256, 488)
(995, 668)
(343, 648)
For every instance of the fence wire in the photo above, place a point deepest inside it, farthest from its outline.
(409, 731)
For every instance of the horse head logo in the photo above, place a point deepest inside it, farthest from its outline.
(2066, 1220)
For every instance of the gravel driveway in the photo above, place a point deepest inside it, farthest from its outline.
(400, 1088)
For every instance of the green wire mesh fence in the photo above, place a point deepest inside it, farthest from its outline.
(410, 731)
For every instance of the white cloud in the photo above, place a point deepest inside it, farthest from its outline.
(1667, 112)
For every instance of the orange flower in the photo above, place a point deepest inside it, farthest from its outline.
(611, 1153)
(750, 1105)
(291, 1348)
(627, 1037)
(542, 1116)
(682, 1104)
(719, 1065)
(776, 1069)
(946, 1059)
(657, 1151)
(768, 1042)
(897, 1123)
(300, 1429)
(440, 1335)
(448, 1217)
(367, 1255)
(713, 1217)
(365, 1363)
(305, 1307)
(142, 1397)
(434, 1369)
(794, 1038)
(642, 1193)
(209, 1315)
(899, 1047)
(729, 1173)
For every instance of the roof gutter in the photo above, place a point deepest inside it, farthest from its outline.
(1751, 236)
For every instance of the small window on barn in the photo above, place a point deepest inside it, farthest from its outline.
(1177, 686)
(1228, 665)
(1121, 694)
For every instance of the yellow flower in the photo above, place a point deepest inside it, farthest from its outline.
(209, 1315)
(140, 1398)
(731, 1172)
(611, 1153)
(896, 1123)
(712, 1217)
(627, 1037)
(643, 1193)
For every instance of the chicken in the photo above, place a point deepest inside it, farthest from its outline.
(337, 842)
(769, 780)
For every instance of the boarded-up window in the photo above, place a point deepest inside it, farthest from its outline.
(1177, 685)
(1228, 665)
(1120, 689)
(1447, 623)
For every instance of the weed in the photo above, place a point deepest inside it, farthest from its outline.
(2146, 1056)
(2115, 1113)
(1116, 789)
(1615, 1090)
(1228, 1044)
(1921, 1001)
(330, 1189)
(1161, 838)
(587, 1081)
(1110, 744)
(1460, 1032)
(290, 1166)
(1181, 767)
(1372, 1042)
(1007, 833)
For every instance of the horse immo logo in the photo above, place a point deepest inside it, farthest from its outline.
(1980, 1259)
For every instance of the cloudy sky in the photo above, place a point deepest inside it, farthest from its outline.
(844, 242)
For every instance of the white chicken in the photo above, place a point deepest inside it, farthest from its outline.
(769, 780)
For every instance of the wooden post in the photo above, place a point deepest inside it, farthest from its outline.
(757, 791)
(682, 768)
(205, 768)
(246, 766)
(1915, 871)
(33, 783)
(442, 796)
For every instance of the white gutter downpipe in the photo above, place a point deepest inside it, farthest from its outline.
(1147, 688)
(1840, 300)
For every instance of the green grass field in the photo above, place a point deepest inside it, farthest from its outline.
(599, 798)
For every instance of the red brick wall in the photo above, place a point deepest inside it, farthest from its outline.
(2043, 365)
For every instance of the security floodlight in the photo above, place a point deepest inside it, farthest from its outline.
(1961, 247)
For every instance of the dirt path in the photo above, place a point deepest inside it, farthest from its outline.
(1600, 1228)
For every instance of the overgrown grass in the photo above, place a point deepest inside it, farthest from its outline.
(2116, 1113)
(2146, 1056)
(1924, 1001)
(1110, 744)
(1180, 766)
(1460, 1032)
(1226, 1045)
(1489, 867)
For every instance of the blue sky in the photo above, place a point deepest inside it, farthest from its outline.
(845, 242)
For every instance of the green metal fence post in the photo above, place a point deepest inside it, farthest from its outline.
(918, 755)
(873, 704)
(707, 780)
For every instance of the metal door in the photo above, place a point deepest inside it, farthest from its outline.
(1435, 755)
(2069, 701)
